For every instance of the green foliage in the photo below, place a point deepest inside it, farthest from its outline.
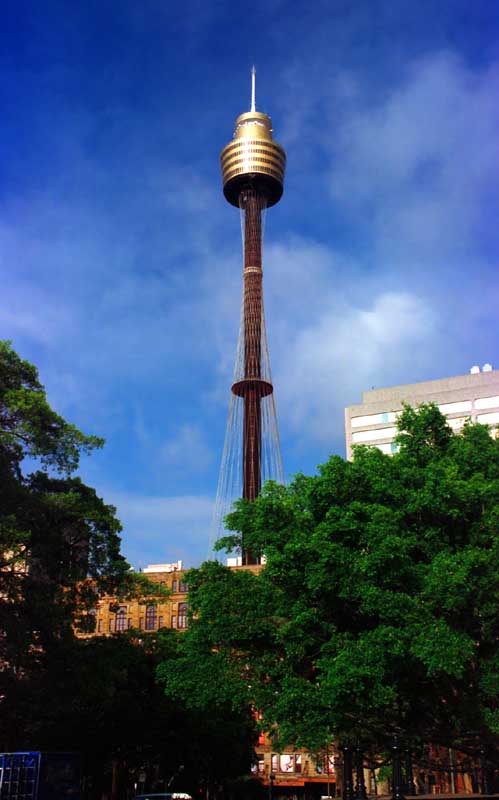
(29, 427)
(60, 549)
(100, 697)
(59, 542)
(378, 608)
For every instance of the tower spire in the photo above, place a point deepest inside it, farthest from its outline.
(253, 89)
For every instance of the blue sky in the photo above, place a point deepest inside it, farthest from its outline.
(121, 261)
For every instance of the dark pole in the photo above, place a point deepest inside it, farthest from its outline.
(360, 788)
(484, 774)
(347, 773)
(397, 791)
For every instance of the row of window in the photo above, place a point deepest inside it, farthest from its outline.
(371, 436)
(446, 408)
(243, 150)
(247, 163)
(389, 448)
(177, 586)
(150, 622)
(253, 167)
(256, 168)
(456, 424)
(289, 763)
(255, 142)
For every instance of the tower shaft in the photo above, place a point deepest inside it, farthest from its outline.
(252, 203)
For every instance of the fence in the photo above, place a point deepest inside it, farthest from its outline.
(415, 773)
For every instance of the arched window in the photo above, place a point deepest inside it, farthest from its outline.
(121, 619)
(182, 615)
(151, 618)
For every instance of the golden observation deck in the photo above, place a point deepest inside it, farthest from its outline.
(252, 160)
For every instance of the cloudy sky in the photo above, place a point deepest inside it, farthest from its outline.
(121, 261)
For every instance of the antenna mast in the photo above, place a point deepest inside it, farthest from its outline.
(253, 89)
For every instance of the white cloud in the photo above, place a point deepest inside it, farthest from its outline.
(422, 161)
(345, 350)
(187, 450)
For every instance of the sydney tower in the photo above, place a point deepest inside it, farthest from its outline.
(253, 166)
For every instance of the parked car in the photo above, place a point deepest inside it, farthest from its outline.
(154, 796)
(164, 796)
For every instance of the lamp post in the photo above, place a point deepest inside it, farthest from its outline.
(397, 790)
(271, 785)
(347, 773)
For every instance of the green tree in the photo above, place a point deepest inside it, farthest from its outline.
(208, 686)
(378, 608)
(100, 697)
(59, 542)
(60, 549)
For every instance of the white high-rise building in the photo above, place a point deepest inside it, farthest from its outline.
(374, 421)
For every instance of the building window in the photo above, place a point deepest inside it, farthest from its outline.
(488, 419)
(360, 437)
(274, 762)
(290, 762)
(286, 762)
(487, 402)
(99, 626)
(394, 447)
(329, 765)
(174, 585)
(110, 625)
(374, 419)
(151, 618)
(174, 620)
(452, 408)
(141, 623)
(260, 764)
(130, 622)
(182, 586)
(121, 619)
(182, 615)
(160, 622)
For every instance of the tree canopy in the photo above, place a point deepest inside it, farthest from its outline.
(59, 542)
(60, 550)
(100, 697)
(377, 610)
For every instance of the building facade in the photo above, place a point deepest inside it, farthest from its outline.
(296, 773)
(374, 421)
(113, 616)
